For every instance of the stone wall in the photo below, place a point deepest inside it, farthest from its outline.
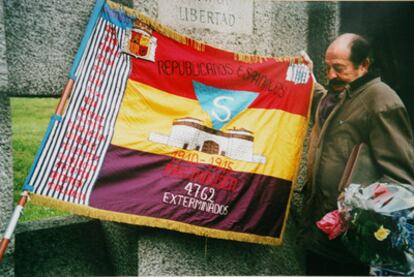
(3, 61)
(6, 185)
(42, 38)
(323, 28)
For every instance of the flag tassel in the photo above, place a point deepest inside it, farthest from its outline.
(12, 223)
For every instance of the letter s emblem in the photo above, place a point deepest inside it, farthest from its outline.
(224, 108)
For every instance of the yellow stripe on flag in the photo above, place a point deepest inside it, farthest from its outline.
(145, 123)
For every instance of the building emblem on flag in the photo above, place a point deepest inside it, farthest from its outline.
(190, 134)
(139, 42)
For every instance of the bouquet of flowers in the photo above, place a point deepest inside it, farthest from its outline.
(377, 225)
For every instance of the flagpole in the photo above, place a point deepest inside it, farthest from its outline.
(25, 193)
(13, 222)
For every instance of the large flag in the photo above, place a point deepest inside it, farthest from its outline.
(165, 131)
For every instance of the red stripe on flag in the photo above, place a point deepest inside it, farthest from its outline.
(177, 65)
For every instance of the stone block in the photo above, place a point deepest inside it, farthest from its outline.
(42, 39)
(6, 181)
(122, 242)
(324, 23)
(3, 60)
(279, 28)
(162, 252)
(62, 246)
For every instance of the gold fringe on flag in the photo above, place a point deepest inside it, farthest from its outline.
(248, 58)
(152, 222)
(196, 44)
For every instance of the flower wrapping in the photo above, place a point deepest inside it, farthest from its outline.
(377, 226)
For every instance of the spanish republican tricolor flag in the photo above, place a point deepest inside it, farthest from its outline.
(165, 131)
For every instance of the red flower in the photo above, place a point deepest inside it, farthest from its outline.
(331, 224)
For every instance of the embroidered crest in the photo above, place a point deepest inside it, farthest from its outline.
(139, 42)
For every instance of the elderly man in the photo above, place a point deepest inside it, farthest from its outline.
(357, 108)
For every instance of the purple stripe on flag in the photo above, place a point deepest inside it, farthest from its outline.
(159, 186)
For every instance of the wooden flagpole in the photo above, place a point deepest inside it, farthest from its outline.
(25, 194)
(13, 222)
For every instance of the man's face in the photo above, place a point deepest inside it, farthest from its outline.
(340, 69)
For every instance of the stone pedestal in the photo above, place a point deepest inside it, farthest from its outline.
(163, 252)
(121, 241)
(62, 246)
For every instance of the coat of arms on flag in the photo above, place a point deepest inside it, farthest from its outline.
(139, 42)
(165, 131)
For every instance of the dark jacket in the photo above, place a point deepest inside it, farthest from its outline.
(372, 113)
